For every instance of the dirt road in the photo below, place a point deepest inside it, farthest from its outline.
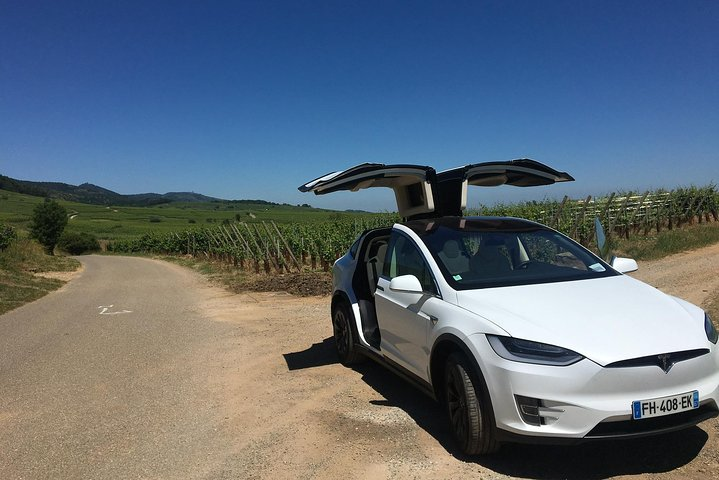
(318, 419)
(253, 390)
(693, 276)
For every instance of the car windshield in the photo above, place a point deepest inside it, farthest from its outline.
(502, 252)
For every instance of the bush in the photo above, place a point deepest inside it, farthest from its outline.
(78, 243)
(7, 236)
(155, 219)
(48, 221)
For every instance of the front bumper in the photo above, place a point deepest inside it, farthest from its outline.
(586, 401)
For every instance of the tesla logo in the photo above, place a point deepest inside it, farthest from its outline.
(665, 362)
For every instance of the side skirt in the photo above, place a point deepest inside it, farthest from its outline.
(400, 371)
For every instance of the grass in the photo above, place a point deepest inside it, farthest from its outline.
(215, 271)
(306, 283)
(219, 273)
(114, 223)
(669, 242)
(18, 265)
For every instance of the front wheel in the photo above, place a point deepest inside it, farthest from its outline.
(344, 338)
(469, 412)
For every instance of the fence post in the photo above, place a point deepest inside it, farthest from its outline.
(630, 220)
(660, 206)
(555, 220)
(698, 210)
(248, 250)
(605, 212)
(268, 258)
(610, 228)
(297, 264)
(584, 240)
(259, 250)
(279, 261)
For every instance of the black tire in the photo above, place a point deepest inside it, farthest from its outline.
(470, 412)
(347, 351)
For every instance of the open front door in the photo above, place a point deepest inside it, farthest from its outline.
(412, 184)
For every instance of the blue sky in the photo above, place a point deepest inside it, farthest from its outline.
(251, 99)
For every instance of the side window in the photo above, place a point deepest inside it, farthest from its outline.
(404, 258)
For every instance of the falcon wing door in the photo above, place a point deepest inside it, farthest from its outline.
(451, 185)
(520, 173)
(422, 193)
(412, 184)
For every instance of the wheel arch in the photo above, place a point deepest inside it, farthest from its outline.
(446, 345)
(443, 347)
(341, 297)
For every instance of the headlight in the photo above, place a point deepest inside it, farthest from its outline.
(527, 351)
(711, 330)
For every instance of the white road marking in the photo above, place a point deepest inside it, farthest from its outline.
(106, 308)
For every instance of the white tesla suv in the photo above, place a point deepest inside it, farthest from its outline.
(523, 334)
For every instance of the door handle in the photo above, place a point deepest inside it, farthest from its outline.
(381, 289)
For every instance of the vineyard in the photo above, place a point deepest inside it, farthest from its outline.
(267, 246)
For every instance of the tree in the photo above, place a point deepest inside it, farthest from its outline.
(7, 236)
(48, 221)
(76, 243)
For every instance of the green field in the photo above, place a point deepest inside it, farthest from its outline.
(116, 223)
(241, 234)
(244, 230)
(20, 265)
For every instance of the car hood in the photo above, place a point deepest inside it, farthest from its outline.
(605, 319)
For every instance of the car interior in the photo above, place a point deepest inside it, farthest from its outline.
(364, 282)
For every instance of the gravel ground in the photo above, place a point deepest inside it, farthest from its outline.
(293, 412)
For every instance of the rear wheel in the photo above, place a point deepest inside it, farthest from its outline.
(344, 336)
(469, 411)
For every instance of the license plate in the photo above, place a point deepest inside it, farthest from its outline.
(656, 407)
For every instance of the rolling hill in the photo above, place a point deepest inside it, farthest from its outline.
(95, 195)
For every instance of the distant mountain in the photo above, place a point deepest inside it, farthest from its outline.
(89, 193)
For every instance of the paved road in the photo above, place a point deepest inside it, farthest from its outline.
(107, 378)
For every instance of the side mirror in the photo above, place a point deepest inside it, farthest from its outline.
(406, 284)
(624, 265)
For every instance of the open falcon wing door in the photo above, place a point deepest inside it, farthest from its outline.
(422, 193)
(451, 185)
(520, 173)
(412, 185)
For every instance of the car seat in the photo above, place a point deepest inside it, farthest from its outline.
(453, 258)
(491, 259)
